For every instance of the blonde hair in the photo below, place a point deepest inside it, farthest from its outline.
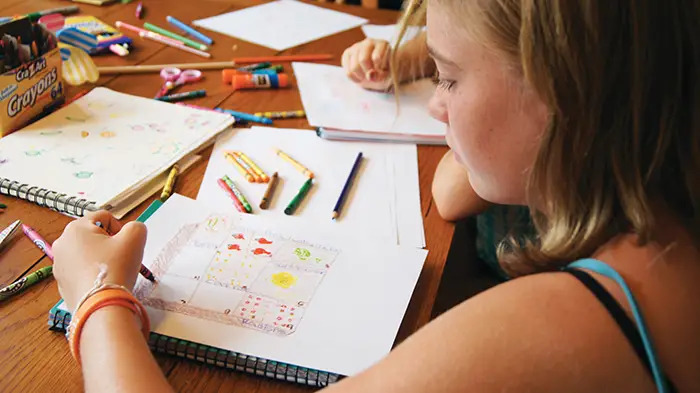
(620, 80)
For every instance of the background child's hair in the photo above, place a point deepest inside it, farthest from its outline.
(620, 79)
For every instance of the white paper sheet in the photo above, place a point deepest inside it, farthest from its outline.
(352, 308)
(281, 24)
(390, 32)
(332, 100)
(384, 203)
(106, 145)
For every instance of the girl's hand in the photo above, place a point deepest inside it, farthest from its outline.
(367, 63)
(83, 246)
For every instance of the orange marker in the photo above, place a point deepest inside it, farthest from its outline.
(259, 81)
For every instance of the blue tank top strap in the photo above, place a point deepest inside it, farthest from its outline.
(606, 270)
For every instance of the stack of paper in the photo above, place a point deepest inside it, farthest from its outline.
(385, 199)
(344, 110)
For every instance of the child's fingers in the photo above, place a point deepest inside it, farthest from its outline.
(380, 55)
(353, 70)
(364, 55)
(107, 221)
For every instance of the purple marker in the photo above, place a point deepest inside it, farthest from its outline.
(38, 241)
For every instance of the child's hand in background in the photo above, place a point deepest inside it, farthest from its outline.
(367, 63)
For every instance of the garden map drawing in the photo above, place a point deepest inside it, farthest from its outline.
(271, 278)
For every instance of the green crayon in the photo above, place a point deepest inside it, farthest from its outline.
(296, 201)
(238, 193)
(25, 282)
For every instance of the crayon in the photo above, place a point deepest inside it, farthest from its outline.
(238, 193)
(143, 270)
(167, 33)
(296, 201)
(25, 282)
(188, 30)
(256, 177)
(346, 188)
(71, 9)
(282, 115)
(38, 241)
(254, 166)
(295, 163)
(246, 116)
(267, 197)
(248, 176)
(259, 81)
(231, 194)
(183, 96)
(170, 183)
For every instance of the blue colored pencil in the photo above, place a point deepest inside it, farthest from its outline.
(187, 29)
(246, 116)
(346, 188)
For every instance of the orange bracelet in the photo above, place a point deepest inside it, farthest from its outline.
(104, 298)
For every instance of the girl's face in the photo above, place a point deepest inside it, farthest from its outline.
(494, 122)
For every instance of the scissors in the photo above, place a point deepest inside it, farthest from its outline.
(7, 233)
(174, 77)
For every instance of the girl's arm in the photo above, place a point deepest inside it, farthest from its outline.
(453, 195)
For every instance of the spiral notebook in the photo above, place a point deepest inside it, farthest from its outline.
(269, 297)
(107, 150)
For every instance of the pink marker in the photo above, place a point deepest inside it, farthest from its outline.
(38, 241)
(139, 10)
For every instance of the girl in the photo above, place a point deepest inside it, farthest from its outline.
(587, 112)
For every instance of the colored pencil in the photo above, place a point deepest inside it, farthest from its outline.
(168, 33)
(296, 201)
(315, 57)
(25, 282)
(267, 197)
(295, 163)
(265, 178)
(183, 96)
(346, 188)
(231, 194)
(238, 193)
(247, 175)
(140, 69)
(157, 38)
(189, 30)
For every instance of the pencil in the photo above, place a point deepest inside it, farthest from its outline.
(237, 193)
(295, 163)
(248, 176)
(231, 195)
(296, 201)
(25, 282)
(170, 183)
(265, 202)
(139, 69)
(346, 188)
(265, 178)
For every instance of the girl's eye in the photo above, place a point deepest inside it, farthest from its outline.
(444, 84)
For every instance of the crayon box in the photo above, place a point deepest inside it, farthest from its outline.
(31, 88)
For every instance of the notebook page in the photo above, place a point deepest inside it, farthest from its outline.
(370, 208)
(105, 145)
(277, 290)
(332, 100)
(281, 24)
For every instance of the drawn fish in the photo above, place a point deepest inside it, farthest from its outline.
(234, 247)
(261, 251)
(239, 236)
(262, 240)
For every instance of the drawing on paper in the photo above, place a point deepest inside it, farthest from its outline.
(221, 272)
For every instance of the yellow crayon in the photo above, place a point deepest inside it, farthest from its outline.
(265, 178)
(240, 168)
(294, 163)
(170, 183)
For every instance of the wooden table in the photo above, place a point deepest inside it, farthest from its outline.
(35, 359)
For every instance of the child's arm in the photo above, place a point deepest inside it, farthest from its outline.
(454, 196)
(368, 62)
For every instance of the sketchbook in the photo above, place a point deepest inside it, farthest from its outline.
(106, 150)
(344, 110)
(276, 292)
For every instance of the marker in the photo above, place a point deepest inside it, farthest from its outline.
(289, 210)
(346, 188)
(139, 10)
(247, 175)
(295, 163)
(256, 177)
(169, 183)
(252, 164)
(231, 194)
(143, 270)
(265, 202)
(72, 9)
(168, 33)
(172, 43)
(259, 81)
(246, 116)
(187, 29)
(282, 115)
(25, 282)
(238, 193)
(183, 96)
(38, 241)
(118, 50)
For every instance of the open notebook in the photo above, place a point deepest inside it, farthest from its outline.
(106, 150)
(269, 297)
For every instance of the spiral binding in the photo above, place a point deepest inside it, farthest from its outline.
(59, 320)
(47, 198)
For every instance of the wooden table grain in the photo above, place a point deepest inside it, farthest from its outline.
(35, 359)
